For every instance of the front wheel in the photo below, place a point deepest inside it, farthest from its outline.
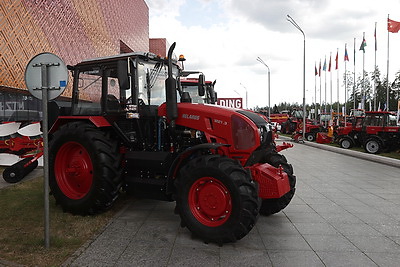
(216, 199)
(310, 137)
(346, 142)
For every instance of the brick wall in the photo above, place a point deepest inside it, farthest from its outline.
(159, 46)
(72, 29)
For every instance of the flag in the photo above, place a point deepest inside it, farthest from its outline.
(393, 26)
(316, 71)
(346, 55)
(324, 67)
(337, 60)
(319, 73)
(329, 66)
(363, 45)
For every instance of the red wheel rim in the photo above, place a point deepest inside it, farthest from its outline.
(210, 201)
(73, 170)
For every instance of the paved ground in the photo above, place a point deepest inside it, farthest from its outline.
(345, 213)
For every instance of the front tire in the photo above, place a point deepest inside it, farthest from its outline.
(310, 137)
(275, 205)
(346, 143)
(85, 175)
(216, 199)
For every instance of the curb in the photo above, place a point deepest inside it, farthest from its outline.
(371, 157)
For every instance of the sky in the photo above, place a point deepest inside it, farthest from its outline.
(223, 38)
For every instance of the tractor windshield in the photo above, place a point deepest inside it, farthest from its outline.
(193, 91)
(151, 81)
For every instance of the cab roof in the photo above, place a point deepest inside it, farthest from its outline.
(125, 56)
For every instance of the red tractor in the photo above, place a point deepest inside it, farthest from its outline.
(349, 135)
(200, 91)
(294, 125)
(380, 132)
(124, 129)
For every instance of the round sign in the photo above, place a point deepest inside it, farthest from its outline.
(55, 78)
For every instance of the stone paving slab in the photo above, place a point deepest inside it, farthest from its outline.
(345, 213)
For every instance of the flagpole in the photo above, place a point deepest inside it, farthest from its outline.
(363, 80)
(345, 84)
(354, 81)
(325, 88)
(337, 83)
(374, 93)
(387, 74)
(330, 75)
(320, 93)
(315, 93)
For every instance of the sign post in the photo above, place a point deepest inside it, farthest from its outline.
(46, 73)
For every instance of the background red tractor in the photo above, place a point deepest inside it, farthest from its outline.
(200, 90)
(349, 135)
(380, 132)
(124, 129)
(294, 125)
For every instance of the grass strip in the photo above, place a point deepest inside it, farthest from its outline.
(22, 226)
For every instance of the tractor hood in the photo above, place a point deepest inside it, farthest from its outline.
(245, 129)
(196, 112)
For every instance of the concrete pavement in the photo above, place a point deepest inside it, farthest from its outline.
(345, 213)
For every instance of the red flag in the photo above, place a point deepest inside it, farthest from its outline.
(319, 72)
(316, 71)
(393, 26)
(329, 67)
(337, 60)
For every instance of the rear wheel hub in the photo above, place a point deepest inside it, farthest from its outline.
(210, 201)
(73, 170)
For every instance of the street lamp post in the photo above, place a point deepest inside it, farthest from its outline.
(269, 84)
(247, 102)
(291, 20)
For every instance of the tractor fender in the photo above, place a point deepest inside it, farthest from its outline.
(98, 121)
(183, 156)
(347, 136)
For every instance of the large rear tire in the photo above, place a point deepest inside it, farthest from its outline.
(216, 199)
(274, 205)
(373, 146)
(85, 176)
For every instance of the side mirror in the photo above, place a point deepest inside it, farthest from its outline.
(123, 78)
(201, 89)
(214, 98)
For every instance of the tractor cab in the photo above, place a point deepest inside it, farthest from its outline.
(119, 85)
